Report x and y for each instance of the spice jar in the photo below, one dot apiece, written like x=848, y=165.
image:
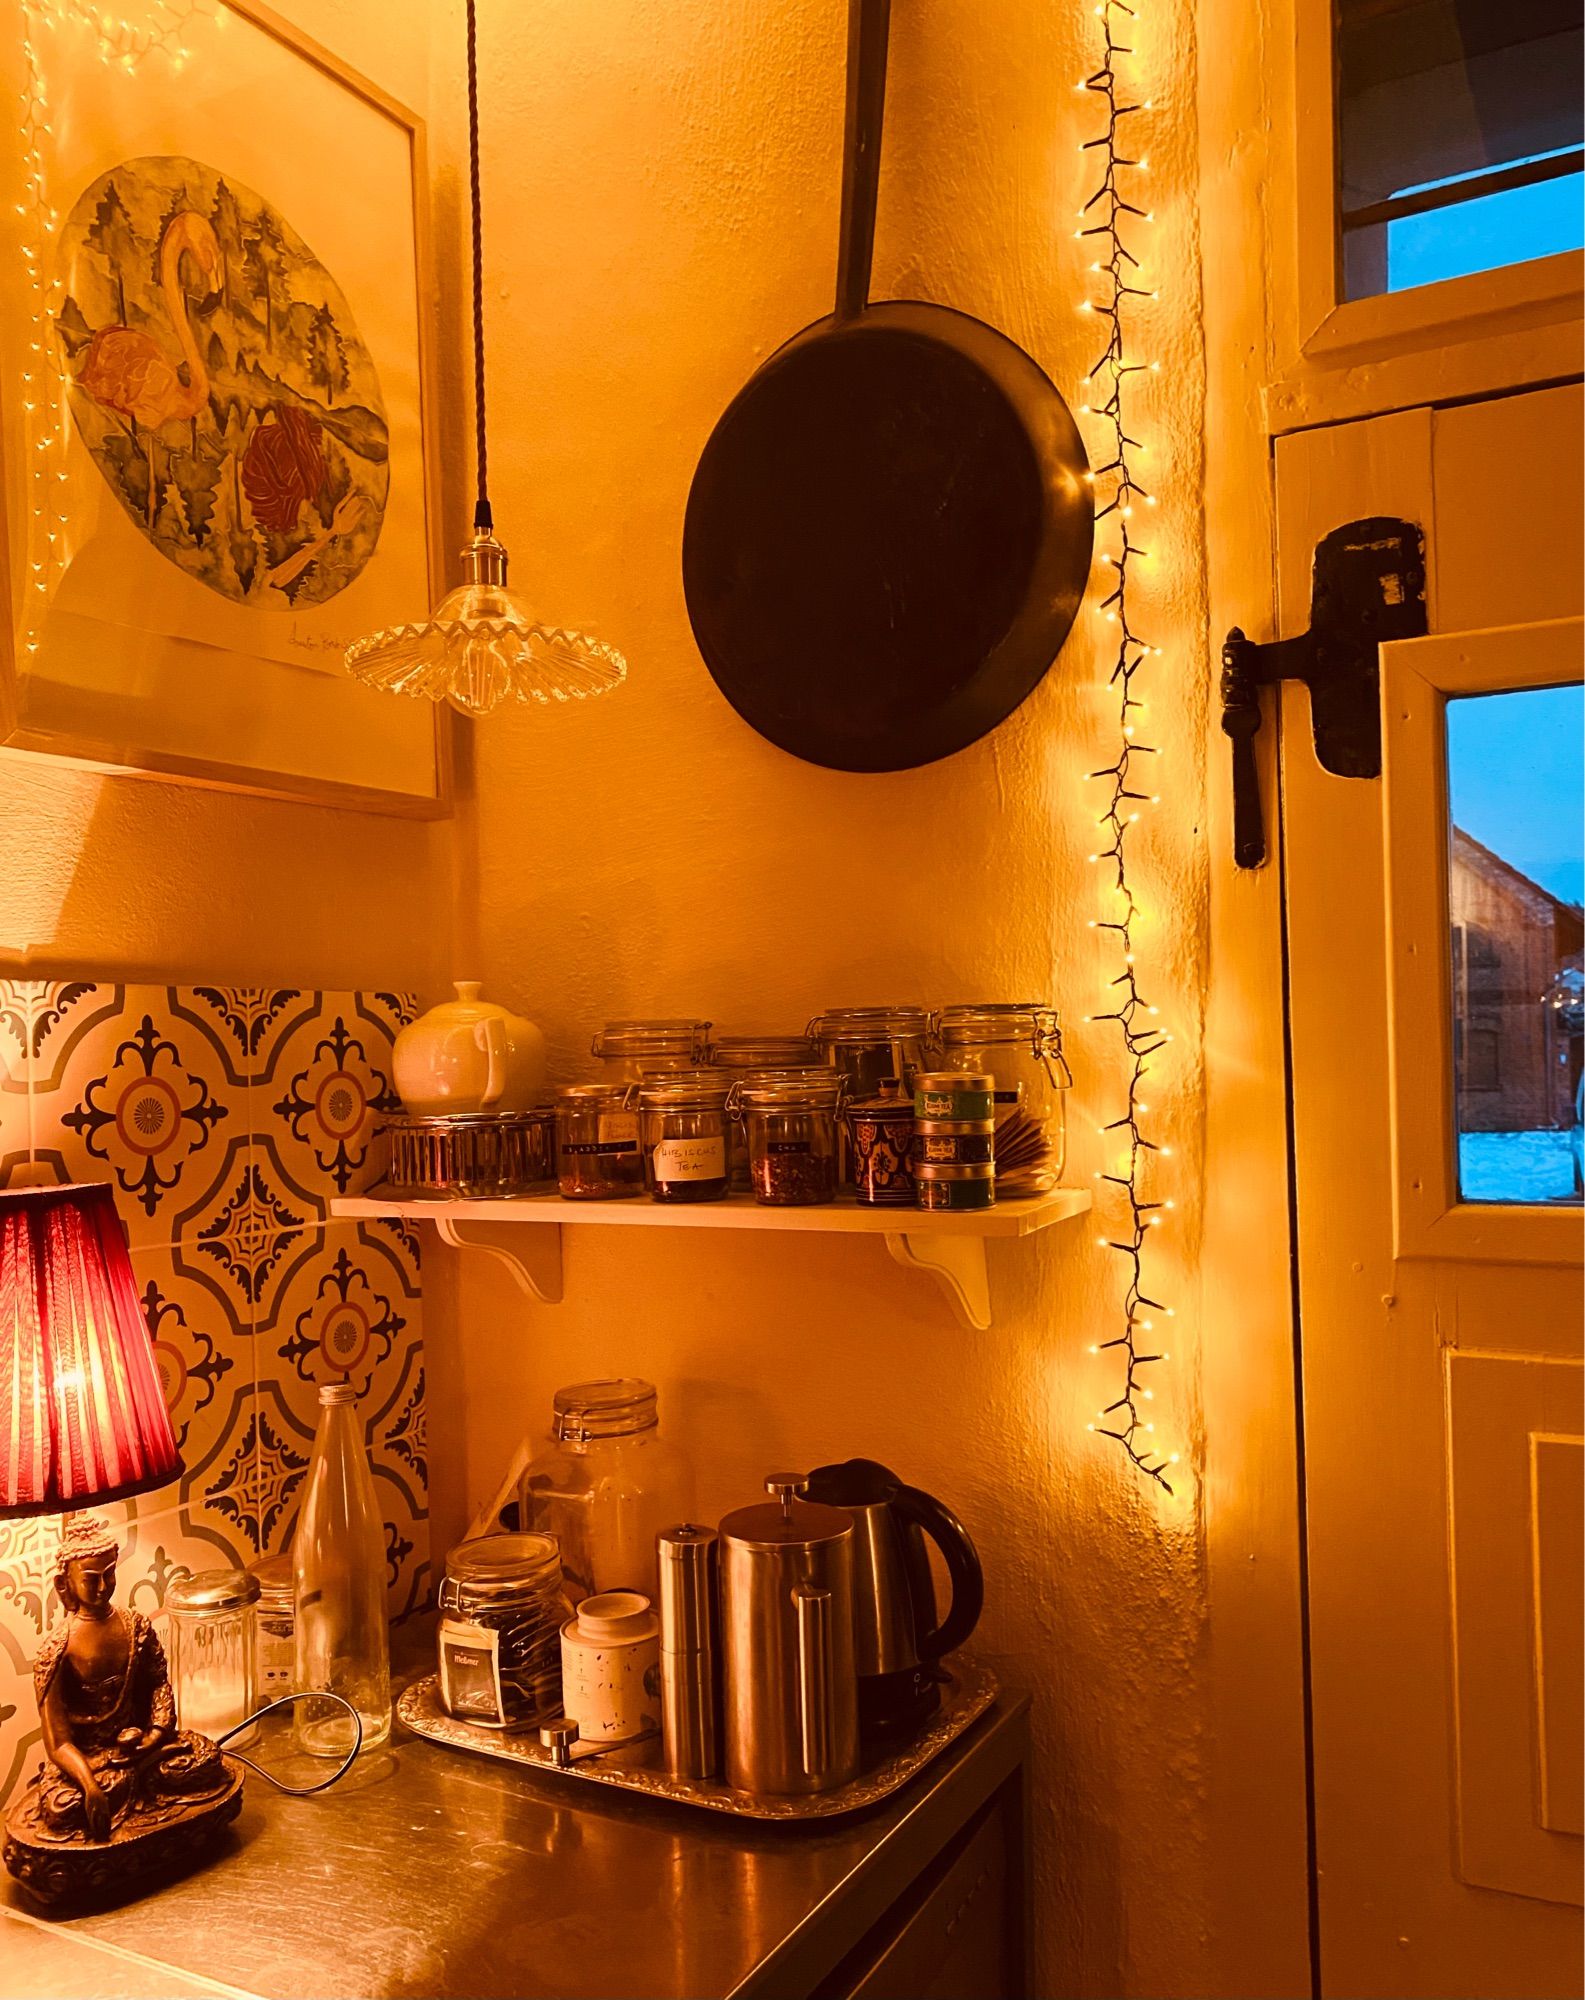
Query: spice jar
x=502, y=1606
x=630, y=1048
x=790, y=1124
x=212, y=1650
x=274, y=1627
x=736, y=1138
x=1019, y=1043
x=606, y=1486
x=683, y=1125
x=597, y=1151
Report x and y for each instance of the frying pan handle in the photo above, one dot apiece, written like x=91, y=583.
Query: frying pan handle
x=869, y=22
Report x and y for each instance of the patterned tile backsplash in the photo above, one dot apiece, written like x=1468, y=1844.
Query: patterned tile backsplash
x=227, y=1119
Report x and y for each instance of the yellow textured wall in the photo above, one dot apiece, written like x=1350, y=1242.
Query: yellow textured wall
x=119, y=876
x=662, y=184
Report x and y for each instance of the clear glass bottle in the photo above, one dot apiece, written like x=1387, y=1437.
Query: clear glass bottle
x=606, y=1488
x=338, y=1574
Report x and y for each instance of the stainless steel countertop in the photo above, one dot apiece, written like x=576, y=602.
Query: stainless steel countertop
x=432, y=1872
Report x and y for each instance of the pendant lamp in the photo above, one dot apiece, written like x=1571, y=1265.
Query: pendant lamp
x=482, y=646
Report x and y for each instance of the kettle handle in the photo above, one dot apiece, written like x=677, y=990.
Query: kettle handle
x=813, y=1610
x=963, y=1569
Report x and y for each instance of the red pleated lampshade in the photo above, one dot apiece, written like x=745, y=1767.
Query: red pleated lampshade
x=82, y=1417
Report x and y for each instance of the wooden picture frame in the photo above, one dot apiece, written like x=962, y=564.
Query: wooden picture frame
x=217, y=388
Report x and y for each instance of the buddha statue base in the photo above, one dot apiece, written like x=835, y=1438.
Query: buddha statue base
x=152, y=1843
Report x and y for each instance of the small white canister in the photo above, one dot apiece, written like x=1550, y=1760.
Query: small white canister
x=610, y=1667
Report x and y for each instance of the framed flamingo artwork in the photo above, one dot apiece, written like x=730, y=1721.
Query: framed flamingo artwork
x=217, y=464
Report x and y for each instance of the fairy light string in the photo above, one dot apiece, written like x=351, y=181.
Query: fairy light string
x=120, y=43
x=1108, y=219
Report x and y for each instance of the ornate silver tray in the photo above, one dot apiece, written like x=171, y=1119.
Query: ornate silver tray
x=966, y=1694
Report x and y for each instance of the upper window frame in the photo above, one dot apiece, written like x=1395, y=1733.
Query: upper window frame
x=1340, y=359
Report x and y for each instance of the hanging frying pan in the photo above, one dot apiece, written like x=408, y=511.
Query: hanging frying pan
x=889, y=531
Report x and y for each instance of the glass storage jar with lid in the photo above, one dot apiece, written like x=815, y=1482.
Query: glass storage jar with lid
x=731, y=1070
x=274, y=1626
x=1019, y=1043
x=502, y=1605
x=877, y=1049
x=597, y=1149
x=629, y=1049
x=683, y=1123
x=606, y=1487
x=790, y=1128
x=213, y=1674
x=739, y=1052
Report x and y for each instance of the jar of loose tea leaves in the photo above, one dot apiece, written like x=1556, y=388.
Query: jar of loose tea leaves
x=683, y=1123
x=597, y=1148
x=1018, y=1045
x=631, y=1049
x=790, y=1124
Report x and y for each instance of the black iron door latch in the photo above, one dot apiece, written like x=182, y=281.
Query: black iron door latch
x=1368, y=586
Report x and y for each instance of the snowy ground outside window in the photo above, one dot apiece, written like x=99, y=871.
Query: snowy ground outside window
x=1517, y=1166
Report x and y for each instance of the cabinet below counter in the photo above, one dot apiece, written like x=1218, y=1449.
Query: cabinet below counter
x=430, y=1872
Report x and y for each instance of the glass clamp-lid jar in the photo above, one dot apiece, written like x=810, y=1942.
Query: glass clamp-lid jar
x=790, y=1127
x=502, y=1607
x=683, y=1123
x=213, y=1674
x=597, y=1143
x=747, y=1052
x=1019, y=1043
x=629, y=1049
x=606, y=1486
x=876, y=1050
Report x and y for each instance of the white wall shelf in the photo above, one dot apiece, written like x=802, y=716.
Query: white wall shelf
x=525, y=1231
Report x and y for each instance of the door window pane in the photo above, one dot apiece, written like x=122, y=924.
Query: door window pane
x=1462, y=137
x=1516, y=794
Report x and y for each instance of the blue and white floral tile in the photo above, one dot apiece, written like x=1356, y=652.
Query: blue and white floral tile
x=131, y=1086
x=321, y=1089
x=203, y=1348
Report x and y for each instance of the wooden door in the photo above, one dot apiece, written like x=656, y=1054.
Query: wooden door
x=1440, y=1335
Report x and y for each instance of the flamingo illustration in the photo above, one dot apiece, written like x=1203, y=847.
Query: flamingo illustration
x=129, y=373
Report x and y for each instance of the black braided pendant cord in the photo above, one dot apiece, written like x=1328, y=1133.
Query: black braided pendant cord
x=482, y=519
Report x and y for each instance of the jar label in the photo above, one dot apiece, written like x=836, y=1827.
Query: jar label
x=1007, y=1096
x=618, y=1130
x=690, y=1159
x=470, y=1671
x=787, y=1146
x=604, y=1147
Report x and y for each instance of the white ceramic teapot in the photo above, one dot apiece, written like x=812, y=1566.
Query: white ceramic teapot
x=468, y=1054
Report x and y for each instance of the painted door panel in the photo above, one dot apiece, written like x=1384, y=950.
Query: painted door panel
x=1441, y=1398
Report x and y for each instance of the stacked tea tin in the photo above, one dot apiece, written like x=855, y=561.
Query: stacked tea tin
x=954, y=1142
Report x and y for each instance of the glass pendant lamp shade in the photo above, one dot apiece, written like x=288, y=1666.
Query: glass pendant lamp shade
x=82, y=1414
x=481, y=647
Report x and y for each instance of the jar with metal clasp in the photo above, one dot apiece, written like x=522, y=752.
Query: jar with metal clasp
x=631, y=1049
x=683, y=1122
x=876, y=1050
x=790, y=1127
x=597, y=1149
x=1019, y=1044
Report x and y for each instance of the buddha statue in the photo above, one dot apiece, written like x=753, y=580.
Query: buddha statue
x=115, y=1755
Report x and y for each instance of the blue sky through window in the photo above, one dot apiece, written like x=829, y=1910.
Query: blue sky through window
x=1516, y=780
x=1487, y=232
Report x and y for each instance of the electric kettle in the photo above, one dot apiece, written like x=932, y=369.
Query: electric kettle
x=897, y=1635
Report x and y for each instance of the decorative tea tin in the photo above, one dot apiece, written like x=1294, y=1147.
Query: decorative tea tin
x=954, y=1187
x=957, y=1144
x=960, y=1096
x=879, y=1133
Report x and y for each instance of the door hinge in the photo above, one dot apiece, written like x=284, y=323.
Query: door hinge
x=1368, y=586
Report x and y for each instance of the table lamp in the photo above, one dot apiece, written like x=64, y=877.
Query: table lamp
x=122, y=1792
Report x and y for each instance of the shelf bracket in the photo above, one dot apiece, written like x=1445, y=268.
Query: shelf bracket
x=534, y=1259
x=957, y=1263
